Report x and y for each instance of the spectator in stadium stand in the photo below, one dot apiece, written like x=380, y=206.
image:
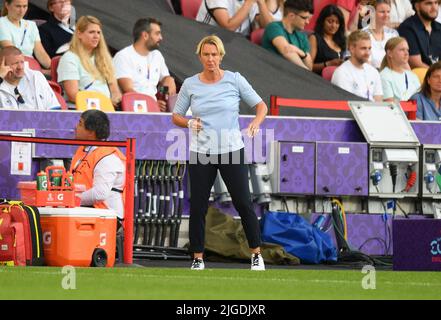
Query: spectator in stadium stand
x=23, y=88
x=141, y=67
x=429, y=98
x=100, y=169
x=400, y=10
x=216, y=143
x=379, y=31
x=398, y=82
x=88, y=64
x=328, y=42
x=423, y=34
x=59, y=28
x=347, y=7
x=235, y=15
x=356, y=75
x=286, y=38
x=21, y=33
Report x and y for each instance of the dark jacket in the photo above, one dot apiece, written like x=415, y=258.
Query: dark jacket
x=53, y=36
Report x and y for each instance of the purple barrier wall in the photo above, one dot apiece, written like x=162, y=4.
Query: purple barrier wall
x=151, y=130
x=370, y=233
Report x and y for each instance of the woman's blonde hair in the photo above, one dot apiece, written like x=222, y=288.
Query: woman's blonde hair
x=391, y=44
x=214, y=40
x=103, y=67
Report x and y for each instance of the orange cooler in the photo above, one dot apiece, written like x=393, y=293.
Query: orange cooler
x=80, y=236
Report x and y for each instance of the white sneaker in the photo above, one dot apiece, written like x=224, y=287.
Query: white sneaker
x=198, y=264
x=257, y=263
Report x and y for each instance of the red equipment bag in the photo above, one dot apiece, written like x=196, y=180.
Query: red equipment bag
x=29, y=217
x=12, y=248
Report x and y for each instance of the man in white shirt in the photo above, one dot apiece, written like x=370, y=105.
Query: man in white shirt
x=141, y=67
x=356, y=75
x=23, y=88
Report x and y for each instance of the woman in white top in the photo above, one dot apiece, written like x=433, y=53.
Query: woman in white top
x=275, y=7
x=23, y=34
x=235, y=15
x=400, y=10
x=398, y=82
x=88, y=64
x=379, y=32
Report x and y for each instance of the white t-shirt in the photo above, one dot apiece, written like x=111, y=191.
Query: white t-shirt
x=23, y=37
x=35, y=91
x=399, y=86
x=400, y=10
x=378, y=52
x=364, y=82
x=145, y=71
x=439, y=15
x=109, y=173
x=232, y=7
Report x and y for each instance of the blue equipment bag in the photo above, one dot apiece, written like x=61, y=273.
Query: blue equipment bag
x=298, y=237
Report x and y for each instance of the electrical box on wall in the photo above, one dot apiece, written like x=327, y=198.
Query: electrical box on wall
x=291, y=167
x=393, y=149
x=431, y=179
x=341, y=169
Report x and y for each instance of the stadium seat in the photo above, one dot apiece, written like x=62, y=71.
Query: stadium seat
x=256, y=36
x=190, y=8
x=86, y=100
x=55, y=86
x=421, y=73
x=327, y=72
x=33, y=64
x=39, y=22
x=54, y=65
x=138, y=102
x=61, y=100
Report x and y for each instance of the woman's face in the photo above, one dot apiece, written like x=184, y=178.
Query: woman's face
x=210, y=57
x=434, y=81
x=331, y=25
x=17, y=9
x=91, y=37
x=400, y=54
x=382, y=14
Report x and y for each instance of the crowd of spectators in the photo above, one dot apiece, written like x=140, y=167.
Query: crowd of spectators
x=372, y=48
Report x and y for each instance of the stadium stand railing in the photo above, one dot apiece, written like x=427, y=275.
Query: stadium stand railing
x=409, y=107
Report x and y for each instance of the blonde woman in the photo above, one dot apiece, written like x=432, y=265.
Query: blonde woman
x=23, y=34
x=88, y=64
x=398, y=82
x=214, y=95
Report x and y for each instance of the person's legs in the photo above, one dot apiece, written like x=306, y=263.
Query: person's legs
x=235, y=176
x=202, y=177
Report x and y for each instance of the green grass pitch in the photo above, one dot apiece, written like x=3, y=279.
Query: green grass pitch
x=210, y=284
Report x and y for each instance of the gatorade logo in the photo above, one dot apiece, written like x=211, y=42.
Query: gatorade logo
x=47, y=238
x=103, y=239
x=60, y=197
x=44, y=184
x=50, y=197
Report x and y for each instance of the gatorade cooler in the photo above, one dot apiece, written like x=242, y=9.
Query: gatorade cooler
x=80, y=236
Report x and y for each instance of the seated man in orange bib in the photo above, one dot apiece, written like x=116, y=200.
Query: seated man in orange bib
x=100, y=169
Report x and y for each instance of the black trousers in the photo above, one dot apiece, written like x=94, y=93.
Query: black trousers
x=234, y=172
